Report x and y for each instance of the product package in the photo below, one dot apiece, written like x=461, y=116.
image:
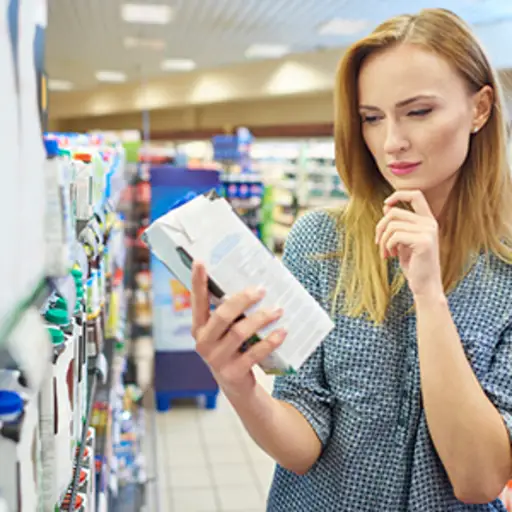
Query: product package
x=207, y=229
x=63, y=366
x=20, y=471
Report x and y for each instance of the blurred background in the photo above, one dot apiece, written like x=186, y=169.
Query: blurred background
x=112, y=112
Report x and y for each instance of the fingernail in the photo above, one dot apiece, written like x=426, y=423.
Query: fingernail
x=278, y=312
x=281, y=333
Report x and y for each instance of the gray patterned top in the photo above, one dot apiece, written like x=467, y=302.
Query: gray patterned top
x=361, y=392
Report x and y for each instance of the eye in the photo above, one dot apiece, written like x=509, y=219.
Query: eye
x=370, y=119
x=420, y=112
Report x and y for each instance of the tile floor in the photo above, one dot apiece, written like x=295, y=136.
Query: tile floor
x=208, y=463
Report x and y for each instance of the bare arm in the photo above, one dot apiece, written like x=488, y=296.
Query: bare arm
x=278, y=428
x=467, y=430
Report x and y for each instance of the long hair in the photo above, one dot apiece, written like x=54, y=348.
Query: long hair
x=477, y=214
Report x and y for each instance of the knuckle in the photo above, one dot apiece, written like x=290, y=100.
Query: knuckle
x=238, y=332
x=247, y=296
x=265, y=315
x=221, y=315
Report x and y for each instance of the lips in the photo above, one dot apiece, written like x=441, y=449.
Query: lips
x=403, y=168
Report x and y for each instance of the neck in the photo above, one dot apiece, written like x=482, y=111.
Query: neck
x=438, y=197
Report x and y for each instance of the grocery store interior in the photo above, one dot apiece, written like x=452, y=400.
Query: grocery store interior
x=113, y=114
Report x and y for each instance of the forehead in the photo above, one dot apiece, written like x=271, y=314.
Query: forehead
x=404, y=71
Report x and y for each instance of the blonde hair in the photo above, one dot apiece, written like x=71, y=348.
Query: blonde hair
x=477, y=215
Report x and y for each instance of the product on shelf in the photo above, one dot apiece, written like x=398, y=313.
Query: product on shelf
x=57, y=334
x=86, y=487
x=237, y=260
x=81, y=323
x=63, y=408
x=20, y=471
x=58, y=218
x=90, y=441
x=80, y=503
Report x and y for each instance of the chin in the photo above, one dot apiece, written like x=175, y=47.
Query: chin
x=407, y=183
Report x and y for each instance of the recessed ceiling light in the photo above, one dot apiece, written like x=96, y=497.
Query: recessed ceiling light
x=266, y=51
x=59, y=85
x=178, y=65
x=147, y=13
x=110, y=76
x=147, y=44
x=342, y=27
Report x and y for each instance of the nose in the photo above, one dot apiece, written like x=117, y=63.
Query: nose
x=396, y=141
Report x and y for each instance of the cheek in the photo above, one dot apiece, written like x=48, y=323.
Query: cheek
x=374, y=138
x=445, y=143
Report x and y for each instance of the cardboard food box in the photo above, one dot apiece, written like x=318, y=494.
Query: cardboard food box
x=208, y=229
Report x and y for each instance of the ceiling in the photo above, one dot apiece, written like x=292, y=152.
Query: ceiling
x=86, y=36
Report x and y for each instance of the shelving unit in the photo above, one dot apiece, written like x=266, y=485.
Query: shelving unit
x=303, y=177
x=85, y=288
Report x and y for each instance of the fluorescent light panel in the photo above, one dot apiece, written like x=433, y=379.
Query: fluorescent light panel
x=146, y=44
x=266, y=51
x=178, y=65
x=153, y=14
x=110, y=76
x=59, y=85
x=342, y=27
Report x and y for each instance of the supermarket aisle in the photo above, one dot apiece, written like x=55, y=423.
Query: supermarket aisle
x=208, y=463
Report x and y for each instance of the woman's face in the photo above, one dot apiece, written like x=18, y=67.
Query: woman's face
x=417, y=118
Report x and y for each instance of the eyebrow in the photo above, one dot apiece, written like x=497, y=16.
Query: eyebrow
x=402, y=103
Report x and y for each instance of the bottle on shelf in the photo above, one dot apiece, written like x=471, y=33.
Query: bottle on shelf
x=19, y=450
x=63, y=408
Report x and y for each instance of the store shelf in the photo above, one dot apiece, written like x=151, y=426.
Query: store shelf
x=36, y=299
x=91, y=390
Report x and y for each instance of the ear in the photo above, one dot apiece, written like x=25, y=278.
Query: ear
x=483, y=103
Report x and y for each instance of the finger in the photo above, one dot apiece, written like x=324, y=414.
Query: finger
x=260, y=351
x=393, y=227
x=401, y=237
x=394, y=214
x=414, y=197
x=242, y=331
x=229, y=311
x=200, y=299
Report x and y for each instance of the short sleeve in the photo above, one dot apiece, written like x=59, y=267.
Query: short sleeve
x=308, y=390
x=497, y=383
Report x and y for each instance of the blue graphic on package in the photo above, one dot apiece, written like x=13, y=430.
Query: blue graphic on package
x=224, y=247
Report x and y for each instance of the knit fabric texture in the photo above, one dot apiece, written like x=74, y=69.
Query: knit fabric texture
x=361, y=393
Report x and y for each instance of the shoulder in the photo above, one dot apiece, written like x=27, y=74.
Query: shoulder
x=314, y=233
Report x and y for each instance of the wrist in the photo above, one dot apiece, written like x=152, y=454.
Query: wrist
x=430, y=298
x=240, y=394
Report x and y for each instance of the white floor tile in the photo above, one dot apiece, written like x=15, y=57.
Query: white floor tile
x=194, y=500
x=232, y=474
x=228, y=437
x=256, y=454
x=166, y=504
x=190, y=477
x=240, y=498
x=265, y=474
x=224, y=455
x=182, y=441
x=185, y=458
x=215, y=420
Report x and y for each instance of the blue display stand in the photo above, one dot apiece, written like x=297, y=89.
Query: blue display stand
x=179, y=370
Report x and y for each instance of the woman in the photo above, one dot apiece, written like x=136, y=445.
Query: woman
x=407, y=405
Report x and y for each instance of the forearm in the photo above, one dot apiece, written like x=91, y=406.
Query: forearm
x=279, y=429
x=467, y=430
